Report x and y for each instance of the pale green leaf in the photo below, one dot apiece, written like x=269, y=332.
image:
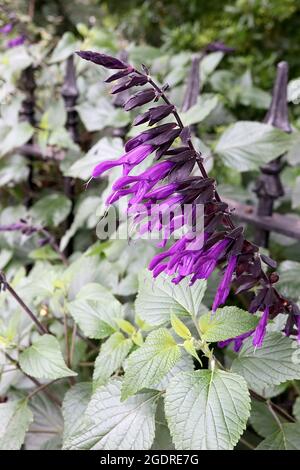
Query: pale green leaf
x=74, y=406
x=179, y=327
x=207, y=410
x=116, y=425
x=43, y=359
x=151, y=362
x=67, y=45
x=248, y=145
x=158, y=298
x=17, y=136
x=273, y=363
x=15, y=418
x=111, y=357
x=47, y=423
x=96, y=311
x=197, y=113
x=225, y=323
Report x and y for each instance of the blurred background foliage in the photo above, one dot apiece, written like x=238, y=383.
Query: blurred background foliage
x=262, y=31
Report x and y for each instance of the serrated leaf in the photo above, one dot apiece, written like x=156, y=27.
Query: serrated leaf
x=207, y=410
x=287, y=438
x=225, y=323
x=184, y=364
x=96, y=311
x=112, y=354
x=15, y=418
x=116, y=425
x=151, y=362
x=275, y=362
x=179, y=327
x=47, y=423
x=158, y=298
x=74, y=406
x=43, y=359
x=248, y=145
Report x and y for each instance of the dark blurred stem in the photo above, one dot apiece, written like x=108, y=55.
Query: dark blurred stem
x=41, y=328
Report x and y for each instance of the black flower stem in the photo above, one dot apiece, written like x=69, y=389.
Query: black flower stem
x=41, y=328
x=189, y=141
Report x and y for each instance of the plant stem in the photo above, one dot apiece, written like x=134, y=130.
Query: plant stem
x=41, y=328
x=189, y=142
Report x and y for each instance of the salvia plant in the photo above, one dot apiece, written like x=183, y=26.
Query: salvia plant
x=98, y=353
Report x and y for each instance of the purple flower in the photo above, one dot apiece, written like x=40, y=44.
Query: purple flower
x=237, y=341
x=6, y=29
x=104, y=60
x=128, y=160
x=224, y=286
x=260, y=330
x=17, y=41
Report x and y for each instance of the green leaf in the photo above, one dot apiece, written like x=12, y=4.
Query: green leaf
x=180, y=328
x=15, y=418
x=96, y=311
x=47, y=423
x=111, y=357
x=17, y=136
x=51, y=209
x=43, y=359
x=248, y=145
x=126, y=326
x=158, y=298
x=287, y=438
x=151, y=362
x=74, y=407
x=207, y=410
x=296, y=409
x=184, y=364
x=262, y=419
x=190, y=348
x=116, y=425
x=13, y=170
x=197, y=113
x=225, y=323
x=67, y=45
x=275, y=362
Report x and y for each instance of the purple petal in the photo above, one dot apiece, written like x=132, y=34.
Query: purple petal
x=102, y=59
x=260, y=330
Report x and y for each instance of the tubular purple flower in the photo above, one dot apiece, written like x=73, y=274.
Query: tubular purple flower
x=103, y=59
x=6, y=29
x=260, y=330
x=128, y=160
x=224, y=286
x=17, y=41
x=238, y=341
